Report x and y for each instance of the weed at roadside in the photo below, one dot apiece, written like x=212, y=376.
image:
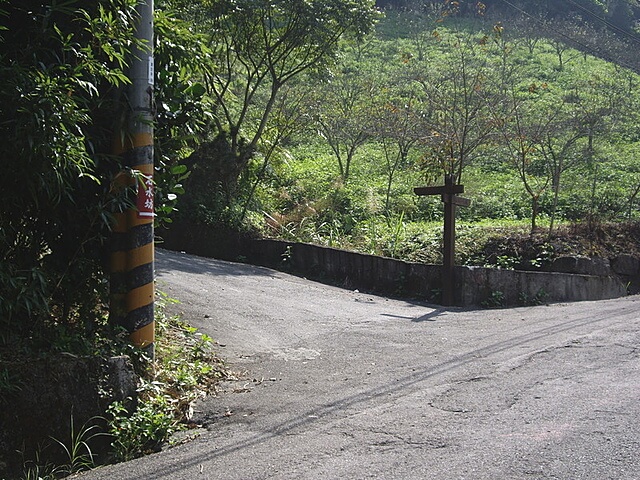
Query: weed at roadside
x=77, y=451
x=537, y=299
x=143, y=431
x=495, y=300
x=185, y=369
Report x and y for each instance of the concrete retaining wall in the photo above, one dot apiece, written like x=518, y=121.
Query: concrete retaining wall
x=475, y=286
x=495, y=287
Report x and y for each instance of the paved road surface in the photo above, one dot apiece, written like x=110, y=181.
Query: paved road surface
x=339, y=384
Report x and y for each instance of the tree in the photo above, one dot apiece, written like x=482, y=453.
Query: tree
x=601, y=103
x=260, y=46
x=559, y=147
x=398, y=127
x=343, y=110
x=182, y=119
x=425, y=17
x=457, y=95
x=563, y=44
x=289, y=116
x=524, y=120
x=528, y=31
x=60, y=65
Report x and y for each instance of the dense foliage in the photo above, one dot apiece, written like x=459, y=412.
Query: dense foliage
x=259, y=49
x=618, y=14
x=295, y=113
x=60, y=67
x=538, y=131
x=64, y=69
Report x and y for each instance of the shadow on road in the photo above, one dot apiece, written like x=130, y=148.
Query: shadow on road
x=207, y=266
x=429, y=317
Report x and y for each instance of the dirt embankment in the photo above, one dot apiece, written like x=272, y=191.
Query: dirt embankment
x=531, y=251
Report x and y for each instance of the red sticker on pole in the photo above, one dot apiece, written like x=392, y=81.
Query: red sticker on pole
x=144, y=201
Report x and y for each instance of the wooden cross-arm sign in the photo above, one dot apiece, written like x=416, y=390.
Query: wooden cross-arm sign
x=439, y=190
x=446, y=192
x=459, y=201
x=448, y=195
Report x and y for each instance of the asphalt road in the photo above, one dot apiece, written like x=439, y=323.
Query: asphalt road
x=337, y=384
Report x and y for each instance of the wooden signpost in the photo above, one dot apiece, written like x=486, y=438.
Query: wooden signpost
x=448, y=193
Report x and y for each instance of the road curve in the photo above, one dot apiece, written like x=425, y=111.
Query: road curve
x=337, y=384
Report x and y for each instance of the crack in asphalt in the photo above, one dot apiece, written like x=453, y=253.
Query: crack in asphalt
x=396, y=439
x=446, y=400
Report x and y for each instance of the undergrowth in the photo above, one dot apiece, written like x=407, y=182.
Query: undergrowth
x=185, y=369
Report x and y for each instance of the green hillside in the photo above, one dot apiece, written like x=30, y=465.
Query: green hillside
x=540, y=133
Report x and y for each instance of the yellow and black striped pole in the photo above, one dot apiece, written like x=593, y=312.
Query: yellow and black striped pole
x=132, y=249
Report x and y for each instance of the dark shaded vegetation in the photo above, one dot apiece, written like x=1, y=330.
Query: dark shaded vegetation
x=620, y=15
x=64, y=67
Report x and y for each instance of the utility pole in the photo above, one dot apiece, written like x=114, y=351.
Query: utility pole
x=132, y=250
